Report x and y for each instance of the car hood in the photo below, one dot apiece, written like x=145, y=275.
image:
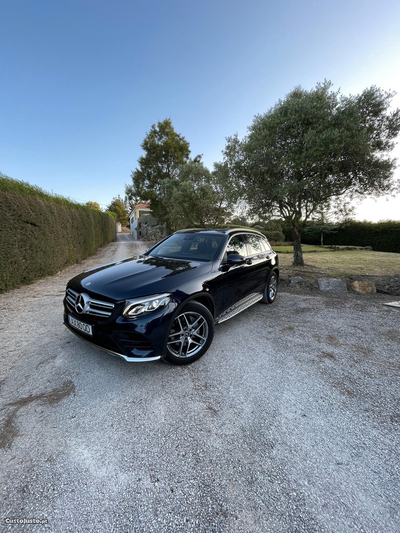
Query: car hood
x=138, y=276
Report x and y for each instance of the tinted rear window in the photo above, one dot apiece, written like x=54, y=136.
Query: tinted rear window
x=257, y=245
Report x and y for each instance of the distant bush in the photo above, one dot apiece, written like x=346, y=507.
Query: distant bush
x=381, y=236
x=41, y=234
x=272, y=229
x=274, y=236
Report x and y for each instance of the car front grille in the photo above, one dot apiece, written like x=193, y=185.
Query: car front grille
x=92, y=307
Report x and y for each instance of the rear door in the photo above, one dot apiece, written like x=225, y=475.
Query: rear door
x=259, y=261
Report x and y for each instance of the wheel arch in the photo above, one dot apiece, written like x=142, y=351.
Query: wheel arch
x=276, y=270
x=203, y=298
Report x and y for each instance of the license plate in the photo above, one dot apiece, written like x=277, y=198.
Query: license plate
x=77, y=324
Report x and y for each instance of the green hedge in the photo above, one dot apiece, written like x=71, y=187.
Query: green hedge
x=381, y=236
x=273, y=236
x=41, y=234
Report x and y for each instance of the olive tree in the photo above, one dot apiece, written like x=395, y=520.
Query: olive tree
x=313, y=149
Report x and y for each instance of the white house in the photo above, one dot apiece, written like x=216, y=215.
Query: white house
x=137, y=211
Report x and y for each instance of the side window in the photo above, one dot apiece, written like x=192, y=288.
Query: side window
x=256, y=245
x=267, y=245
x=236, y=245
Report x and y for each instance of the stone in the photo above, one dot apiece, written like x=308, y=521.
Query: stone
x=388, y=284
x=364, y=287
x=385, y=284
x=332, y=285
x=296, y=280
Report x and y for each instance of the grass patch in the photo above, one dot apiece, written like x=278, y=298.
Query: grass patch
x=342, y=264
x=306, y=249
x=288, y=249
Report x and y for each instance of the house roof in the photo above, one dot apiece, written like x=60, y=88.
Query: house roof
x=145, y=205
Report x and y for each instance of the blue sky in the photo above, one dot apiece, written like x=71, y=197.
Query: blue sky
x=82, y=81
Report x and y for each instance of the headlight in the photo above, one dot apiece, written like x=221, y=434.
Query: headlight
x=141, y=306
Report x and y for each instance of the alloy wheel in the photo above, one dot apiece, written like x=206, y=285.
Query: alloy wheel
x=272, y=287
x=188, y=334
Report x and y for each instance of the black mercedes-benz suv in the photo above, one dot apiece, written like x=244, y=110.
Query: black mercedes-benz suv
x=165, y=303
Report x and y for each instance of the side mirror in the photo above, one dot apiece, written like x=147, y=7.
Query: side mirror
x=235, y=259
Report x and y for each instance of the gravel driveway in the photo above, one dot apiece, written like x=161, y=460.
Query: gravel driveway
x=288, y=424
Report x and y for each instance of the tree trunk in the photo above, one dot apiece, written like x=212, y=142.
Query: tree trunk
x=297, y=251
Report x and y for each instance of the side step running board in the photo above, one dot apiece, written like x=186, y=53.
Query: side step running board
x=239, y=307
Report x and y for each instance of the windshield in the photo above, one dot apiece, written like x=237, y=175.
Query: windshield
x=189, y=246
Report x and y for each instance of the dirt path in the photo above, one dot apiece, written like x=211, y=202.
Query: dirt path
x=288, y=423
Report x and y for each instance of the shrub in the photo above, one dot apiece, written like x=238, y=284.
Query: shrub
x=41, y=234
x=274, y=236
x=381, y=236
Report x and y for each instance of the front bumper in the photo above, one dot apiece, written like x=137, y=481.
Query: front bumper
x=111, y=352
x=138, y=340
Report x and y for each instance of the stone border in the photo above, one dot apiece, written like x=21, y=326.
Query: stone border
x=362, y=285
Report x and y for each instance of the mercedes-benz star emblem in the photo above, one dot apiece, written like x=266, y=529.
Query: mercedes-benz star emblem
x=81, y=303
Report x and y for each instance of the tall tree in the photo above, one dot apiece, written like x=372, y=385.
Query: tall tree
x=118, y=207
x=312, y=149
x=165, y=150
x=93, y=205
x=193, y=197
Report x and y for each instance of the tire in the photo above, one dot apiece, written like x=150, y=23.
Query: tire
x=271, y=289
x=190, y=334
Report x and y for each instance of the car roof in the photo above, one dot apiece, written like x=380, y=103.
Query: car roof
x=224, y=231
